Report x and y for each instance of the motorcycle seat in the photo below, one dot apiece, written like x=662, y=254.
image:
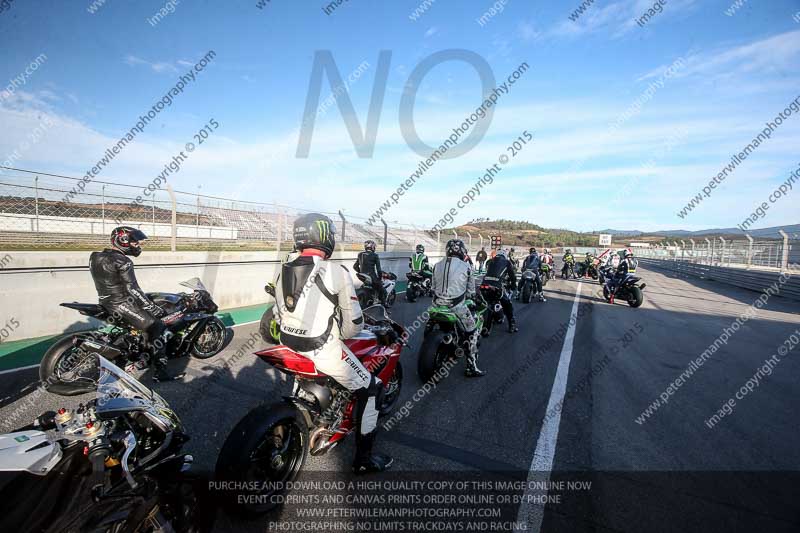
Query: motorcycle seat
x=92, y=310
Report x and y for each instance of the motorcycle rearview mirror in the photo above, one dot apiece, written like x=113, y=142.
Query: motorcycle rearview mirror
x=269, y=288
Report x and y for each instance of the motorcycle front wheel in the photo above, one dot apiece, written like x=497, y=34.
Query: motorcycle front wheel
x=526, y=293
x=211, y=340
x=268, y=448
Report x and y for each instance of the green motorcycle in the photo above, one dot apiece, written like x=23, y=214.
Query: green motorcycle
x=445, y=340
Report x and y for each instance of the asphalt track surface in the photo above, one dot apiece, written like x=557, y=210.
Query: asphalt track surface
x=671, y=472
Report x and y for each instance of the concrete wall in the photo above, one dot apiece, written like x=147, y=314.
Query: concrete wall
x=32, y=284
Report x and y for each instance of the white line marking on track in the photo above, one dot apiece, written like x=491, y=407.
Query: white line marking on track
x=9, y=371
x=531, y=509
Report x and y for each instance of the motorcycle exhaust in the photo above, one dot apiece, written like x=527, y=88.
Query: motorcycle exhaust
x=318, y=441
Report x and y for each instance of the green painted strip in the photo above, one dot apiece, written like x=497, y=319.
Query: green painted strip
x=27, y=352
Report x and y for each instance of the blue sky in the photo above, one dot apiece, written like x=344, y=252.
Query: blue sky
x=103, y=70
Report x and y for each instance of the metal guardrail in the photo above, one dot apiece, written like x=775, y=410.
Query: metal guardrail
x=755, y=280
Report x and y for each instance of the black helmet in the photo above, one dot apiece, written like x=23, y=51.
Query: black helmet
x=420, y=249
x=126, y=239
x=314, y=231
x=629, y=253
x=532, y=250
x=569, y=251
x=456, y=248
x=369, y=246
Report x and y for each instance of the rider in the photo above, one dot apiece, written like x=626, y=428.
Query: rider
x=587, y=263
x=453, y=284
x=480, y=257
x=499, y=273
x=547, y=257
x=568, y=258
x=533, y=262
x=316, y=309
x=419, y=263
x=121, y=296
x=626, y=266
x=369, y=264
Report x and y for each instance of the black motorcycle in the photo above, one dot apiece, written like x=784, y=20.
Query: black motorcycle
x=604, y=273
x=627, y=289
x=418, y=285
x=494, y=310
x=113, y=464
x=190, y=318
x=368, y=295
x=528, y=286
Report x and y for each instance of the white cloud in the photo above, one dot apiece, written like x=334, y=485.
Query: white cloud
x=159, y=67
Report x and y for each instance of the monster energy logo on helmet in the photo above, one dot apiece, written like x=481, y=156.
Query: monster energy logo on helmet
x=314, y=230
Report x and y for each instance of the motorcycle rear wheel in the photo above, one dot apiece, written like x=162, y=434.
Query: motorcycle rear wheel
x=270, y=444
x=66, y=371
x=432, y=354
x=636, y=297
x=411, y=293
x=526, y=293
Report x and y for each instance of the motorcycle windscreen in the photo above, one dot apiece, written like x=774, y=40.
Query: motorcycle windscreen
x=195, y=284
x=119, y=393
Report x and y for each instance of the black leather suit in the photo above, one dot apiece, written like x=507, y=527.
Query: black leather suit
x=121, y=296
x=500, y=273
x=369, y=264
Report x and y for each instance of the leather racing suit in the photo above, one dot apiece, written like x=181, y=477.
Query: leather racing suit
x=120, y=295
x=316, y=309
x=369, y=264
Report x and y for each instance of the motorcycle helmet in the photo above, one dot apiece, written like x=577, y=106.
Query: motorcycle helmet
x=547, y=250
x=502, y=253
x=126, y=239
x=314, y=231
x=420, y=249
x=369, y=246
x=532, y=250
x=569, y=251
x=628, y=254
x=456, y=248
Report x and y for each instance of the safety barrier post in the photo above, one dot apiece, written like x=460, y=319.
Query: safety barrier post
x=385, y=233
x=481, y=237
x=470, y=239
x=279, y=237
x=174, y=232
x=693, y=256
x=709, y=251
x=344, y=226
x=749, y=251
x=785, y=258
x=722, y=252
x=683, y=248
x=36, y=200
x=103, y=208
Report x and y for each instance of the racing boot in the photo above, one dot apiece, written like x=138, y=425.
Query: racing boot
x=367, y=462
x=160, y=373
x=472, y=370
x=512, y=326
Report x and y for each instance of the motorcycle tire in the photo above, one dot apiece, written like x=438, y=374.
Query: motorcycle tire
x=392, y=393
x=606, y=294
x=205, y=348
x=267, y=327
x=262, y=427
x=56, y=362
x=636, y=297
x=432, y=355
x=391, y=298
x=411, y=293
x=527, y=291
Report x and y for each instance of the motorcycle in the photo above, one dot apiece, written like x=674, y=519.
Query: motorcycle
x=113, y=464
x=627, y=289
x=494, y=310
x=418, y=285
x=189, y=317
x=444, y=338
x=568, y=270
x=546, y=271
x=528, y=287
x=269, y=446
x=604, y=273
x=368, y=296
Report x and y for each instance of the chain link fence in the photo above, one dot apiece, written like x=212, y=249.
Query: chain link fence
x=748, y=253
x=35, y=214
